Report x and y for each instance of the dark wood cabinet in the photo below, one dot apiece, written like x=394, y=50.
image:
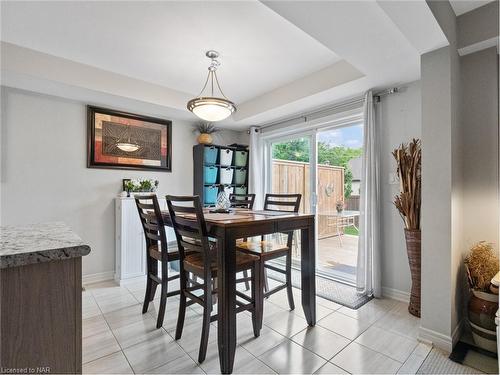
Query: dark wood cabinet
x=219, y=168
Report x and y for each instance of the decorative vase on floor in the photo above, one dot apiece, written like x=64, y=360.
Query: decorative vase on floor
x=413, y=248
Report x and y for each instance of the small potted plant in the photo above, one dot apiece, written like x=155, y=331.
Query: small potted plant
x=141, y=185
x=481, y=265
x=205, y=131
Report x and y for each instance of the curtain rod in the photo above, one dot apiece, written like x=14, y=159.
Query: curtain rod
x=350, y=102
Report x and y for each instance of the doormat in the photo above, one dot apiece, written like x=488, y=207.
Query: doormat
x=472, y=356
x=342, y=294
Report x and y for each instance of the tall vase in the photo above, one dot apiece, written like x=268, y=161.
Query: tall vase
x=414, y=250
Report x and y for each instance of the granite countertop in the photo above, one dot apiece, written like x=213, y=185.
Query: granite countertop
x=37, y=243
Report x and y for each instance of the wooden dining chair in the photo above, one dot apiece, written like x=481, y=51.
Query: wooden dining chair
x=269, y=250
x=190, y=228
x=157, y=251
x=242, y=200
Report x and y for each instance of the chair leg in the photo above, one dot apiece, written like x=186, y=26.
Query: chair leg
x=257, y=298
x=164, y=291
x=288, y=275
x=154, y=285
x=182, y=305
x=264, y=280
x=207, y=310
x=147, y=295
x=245, y=275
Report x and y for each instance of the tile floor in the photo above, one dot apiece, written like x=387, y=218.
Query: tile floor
x=379, y=337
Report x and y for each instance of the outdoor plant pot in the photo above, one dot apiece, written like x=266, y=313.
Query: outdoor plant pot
x=413, y=248
x=482, y=309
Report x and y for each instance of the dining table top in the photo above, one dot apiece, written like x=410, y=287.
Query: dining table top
x=243, y=216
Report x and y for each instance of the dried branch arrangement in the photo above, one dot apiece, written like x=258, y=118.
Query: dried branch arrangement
x=408, y=202
x=482, y=266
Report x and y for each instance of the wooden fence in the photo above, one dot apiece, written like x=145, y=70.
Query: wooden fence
x=294, y=177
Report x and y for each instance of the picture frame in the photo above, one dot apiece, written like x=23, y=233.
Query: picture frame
x=123, y=140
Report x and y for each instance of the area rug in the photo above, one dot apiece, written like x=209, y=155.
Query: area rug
x=340, y=293
x=472, y=356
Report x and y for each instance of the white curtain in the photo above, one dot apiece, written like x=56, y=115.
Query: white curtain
x=256, y=172
x=368, y=268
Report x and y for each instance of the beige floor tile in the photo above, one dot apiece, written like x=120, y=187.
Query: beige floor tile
x=417, y=357
x=137, y=332
x=244, y=362
x=330, y=368
x=115, y=363
x=93, y=326
x=181, y=365
x=116, y=302
x=126, y=316
x=153, y=353
x=97, y=346
x=191, y=335
x=286, y=323
x=344, y=325
x=358, y=359
x=291, y=358
x=90, y=308
x=391, y=344
x=321, y=341
x=267, y=340
x=402, y=324
x=321, y=311
x=328, y=304
x=369, y=312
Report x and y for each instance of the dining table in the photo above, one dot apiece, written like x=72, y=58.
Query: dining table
x=239, y=223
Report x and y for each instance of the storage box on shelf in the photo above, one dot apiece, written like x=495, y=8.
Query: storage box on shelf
x=219, y=168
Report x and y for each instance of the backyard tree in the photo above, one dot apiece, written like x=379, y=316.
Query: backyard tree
x=298, y=150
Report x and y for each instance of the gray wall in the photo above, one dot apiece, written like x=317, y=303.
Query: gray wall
x=480, y=146
x=44, y=175
x=400, y=120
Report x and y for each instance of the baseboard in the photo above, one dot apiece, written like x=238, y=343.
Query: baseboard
x=130, y=280
x=457, y=332
x=396, y=294
x=437, y=339
x=97, y=277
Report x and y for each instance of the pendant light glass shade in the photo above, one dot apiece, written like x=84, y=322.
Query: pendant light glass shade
x=211, y=108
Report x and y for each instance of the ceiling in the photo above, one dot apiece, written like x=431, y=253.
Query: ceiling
x=463, y=6
x=278, y=57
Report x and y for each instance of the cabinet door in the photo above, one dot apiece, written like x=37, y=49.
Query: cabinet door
x=134, y=252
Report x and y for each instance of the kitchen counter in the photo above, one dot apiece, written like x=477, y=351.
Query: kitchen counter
x=41, y=299
x=37, y=243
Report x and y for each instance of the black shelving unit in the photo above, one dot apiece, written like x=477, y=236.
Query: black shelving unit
x=208, y=159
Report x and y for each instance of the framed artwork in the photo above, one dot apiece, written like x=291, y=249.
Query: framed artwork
x=124, y=140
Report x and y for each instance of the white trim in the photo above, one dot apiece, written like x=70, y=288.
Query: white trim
x=439, y=340
x=97, y=277
x=130, y=280
x=476, y=47
x=395, y=294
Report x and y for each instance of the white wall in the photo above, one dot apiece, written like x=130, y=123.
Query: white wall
x=44, y=175
x=400, y=120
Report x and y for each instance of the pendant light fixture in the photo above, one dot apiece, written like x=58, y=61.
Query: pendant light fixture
x=128, y=145
x=211, y=107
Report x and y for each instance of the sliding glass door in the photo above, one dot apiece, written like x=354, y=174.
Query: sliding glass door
x=324, y=165
x=290, y=170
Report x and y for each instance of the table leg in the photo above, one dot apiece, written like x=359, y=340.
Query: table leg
x=308, y=272
x=226, y=325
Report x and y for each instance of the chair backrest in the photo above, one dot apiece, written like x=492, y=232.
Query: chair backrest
x=242, y=200
x=186, y=214
x=282, y=202
x=151, y=220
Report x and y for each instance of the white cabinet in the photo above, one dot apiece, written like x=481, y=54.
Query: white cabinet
x=130, y=258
